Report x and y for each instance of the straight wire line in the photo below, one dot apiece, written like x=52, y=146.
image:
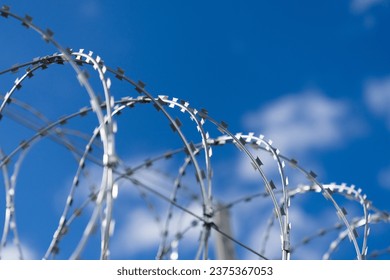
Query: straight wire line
x=105, y=110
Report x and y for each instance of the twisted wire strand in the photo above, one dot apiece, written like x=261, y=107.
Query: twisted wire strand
x=95, y=130
x=114, y=169
x=10, y=211
x=184, y=108
x=107, y=128
x=311, y=176
x=307, y=189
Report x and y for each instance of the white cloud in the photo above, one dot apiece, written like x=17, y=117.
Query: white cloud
x=272, y=249
x=12, y=253
x=361, y=6
x=302, y=122
x=377, y=96
x=141, y=232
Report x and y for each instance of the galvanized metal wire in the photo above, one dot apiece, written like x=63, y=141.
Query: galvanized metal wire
x=197, y=155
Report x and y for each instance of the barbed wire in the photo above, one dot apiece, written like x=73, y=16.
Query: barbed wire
x=98, y=149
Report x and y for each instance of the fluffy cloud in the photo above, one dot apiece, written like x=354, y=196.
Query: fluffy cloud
x=142, y=233
x=377, y=96
x=12, y=253
x=299, y=123
x=360, y=6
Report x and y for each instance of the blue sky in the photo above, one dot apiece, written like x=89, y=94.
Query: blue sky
x=313, y=76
